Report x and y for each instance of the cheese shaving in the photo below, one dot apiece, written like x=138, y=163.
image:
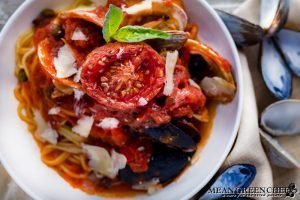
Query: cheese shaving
x=142, y=101
x=84, y=126
x=78, y=94
x=54, y=111
x=109, y=123
x=193, y=83
x=104, y=164
x=64, y=63
x=78, y=35
x=170, y=68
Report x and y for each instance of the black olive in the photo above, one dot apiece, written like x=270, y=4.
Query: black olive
x=198, y=67
x=57, y=31
x=22, y=77
x=48, y=13
x=44, y=17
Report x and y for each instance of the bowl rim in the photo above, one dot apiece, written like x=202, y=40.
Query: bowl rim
x=239, y=79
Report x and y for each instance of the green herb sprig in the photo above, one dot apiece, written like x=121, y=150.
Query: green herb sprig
x=129, y=34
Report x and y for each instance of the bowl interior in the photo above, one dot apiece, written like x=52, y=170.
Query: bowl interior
x=20, y=154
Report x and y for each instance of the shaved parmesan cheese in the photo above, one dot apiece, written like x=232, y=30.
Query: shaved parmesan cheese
x=109, y=123
x=64, y=63
x=170, y=68
x=78, y=35
x=102, y=163
x=142, y=101
x=44, y=132
x=101, y=3
x=193, y=83
x=50, y=135
x=77, y=77
x=54, y=111
x=120, y=53
x=140, y=7
x=78, y=94
x=84, y=126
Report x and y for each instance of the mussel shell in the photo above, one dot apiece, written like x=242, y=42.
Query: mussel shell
x=172, y=136
x=289, y=43
x=165, y=165
x=175, y=42
x=282, y=118
x=276, y=74
x=243, y=32
x=277, y=154
x=189, y=128
x=236, y=176
x=268, y=10
x=274, y=15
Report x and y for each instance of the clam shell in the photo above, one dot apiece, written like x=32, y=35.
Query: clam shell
x=289, y=43
x=243, y=32
x=276, y=74
x=237, y=176
x=277, y=154
x=282, y=118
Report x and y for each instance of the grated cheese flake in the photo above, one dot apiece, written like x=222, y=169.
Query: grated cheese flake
x=142, y=101
x=64, y=63
x=77, y=76
x=78, y=35
x=109, y=123
x=104, y=164
x=78, y=94
x=171, y=61
x=50, y=135
x=54, y=111
x=84, y=126
x=193, y=83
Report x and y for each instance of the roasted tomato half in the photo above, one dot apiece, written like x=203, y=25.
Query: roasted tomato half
x=120, y=75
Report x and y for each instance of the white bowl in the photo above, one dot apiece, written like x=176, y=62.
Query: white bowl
x=21, y=157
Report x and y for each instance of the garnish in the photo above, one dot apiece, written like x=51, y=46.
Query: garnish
x=113, y=20
x=111, y=31
x=138, y=34
x=22, y=77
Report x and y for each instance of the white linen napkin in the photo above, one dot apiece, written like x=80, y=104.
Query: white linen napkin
x=250, y=11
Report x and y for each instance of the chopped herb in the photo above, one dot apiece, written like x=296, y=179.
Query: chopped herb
x=22, y=77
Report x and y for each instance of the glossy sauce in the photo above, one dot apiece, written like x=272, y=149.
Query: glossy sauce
x=123, y=190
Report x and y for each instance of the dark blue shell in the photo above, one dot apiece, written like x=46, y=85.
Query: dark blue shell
x=243, y=32
x=289, y=43
x=165, y=165
x=276, y=74
x=173, y=136
x=237, y=176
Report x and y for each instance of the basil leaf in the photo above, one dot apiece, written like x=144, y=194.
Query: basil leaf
x=138, y=34
x=112, y=22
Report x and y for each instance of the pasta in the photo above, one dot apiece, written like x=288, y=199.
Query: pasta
x=80, y=115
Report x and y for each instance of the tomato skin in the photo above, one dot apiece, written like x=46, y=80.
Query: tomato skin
x=138, y=153
x=90, y=31
x=115, y=137
x=117, y=75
